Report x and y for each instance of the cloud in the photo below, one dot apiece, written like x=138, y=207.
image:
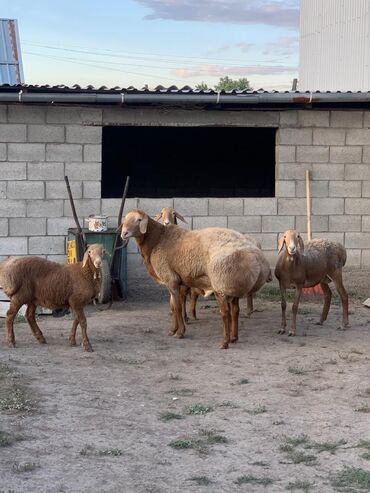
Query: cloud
x=283, y=13
x=243, y=71
x=283, y=46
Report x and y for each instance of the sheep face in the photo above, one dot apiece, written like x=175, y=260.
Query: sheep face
x=95, y=253
x=292, y=241
x=134, y=224
x=169, y=216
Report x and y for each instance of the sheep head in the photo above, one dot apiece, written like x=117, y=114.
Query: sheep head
x=169, y=216
x=134, y=224
x=94, y=253
x=292, y=241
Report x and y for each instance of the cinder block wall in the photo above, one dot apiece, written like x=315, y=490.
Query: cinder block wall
x=40, y=144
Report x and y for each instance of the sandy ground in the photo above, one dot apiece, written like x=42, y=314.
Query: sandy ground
x=105, y=421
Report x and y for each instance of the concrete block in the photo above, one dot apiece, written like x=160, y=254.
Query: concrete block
x=366, y=119
x=45, y=171
x=312, y=154
x=3, y=189
x=353, y=257
x=327, y=206
x=191, y=207
x=285, y=154
x=26, y=114
x=13, y=133
x=13, y=171
x=295, y=136
x=288, y=118
x=319, y=224
x=77, y=134
x=83, y=171
x=271, y=256
x=358, y=137
x=344, y=223
x=13, y=246
x=21, y=226
x=357, y=206
x=365, y=258
x=277, y=224
x=46, y=133
x=110, y=207
x=58, y=189
x=290, y=171
x=92, y=153
x=346, y=119
x=58, y=226
x=329, y=136
x=154, y=206
x=12, y=208
x=225, y=207
x=288, y=207
x=4, y=229
x=60, y=259
x=285, y=188
x=345, y=188
x=365, y=188
x=3, y=152
x=209, y=222
x=84, y=207
x=338, y=237
x=26, y=152
x=91, y=189
x=345, y=154
x=245, y=224
x=68, y=115
x=3, y=112
x=365, y=223
x=319, y=188
x=47, y=245
x=45, y=208
x=357, y=171
x=366, y=154
x=268, y=241
x=357, y=240
x=26, y=190
x=327, y=172
x=260, y=206
x=313, y=118
x=64, y=152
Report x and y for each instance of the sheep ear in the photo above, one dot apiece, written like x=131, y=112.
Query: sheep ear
x=85, y=259
x=158, y=216
x=180, y=217
x=300, y=243
x=281, y=244
x=144, y=225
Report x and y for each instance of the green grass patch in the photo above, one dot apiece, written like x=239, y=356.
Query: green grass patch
x=211, y=437
x=243, y=381
x=199, y=409
x=363, y=408
x=250, y=479
x=296, y=441
x=257, y=410
x=299, y=457
x=169, y=416
x=13, y=397
x=25, y=467
x=200, y=480
x=7, y=439
x=183, y=444
x=110, y=452
x=201, y=443
x=296, y=370
x=351, y=479
x=181, y=392
x=272, y=293
x=299, y=485
x=331, y=447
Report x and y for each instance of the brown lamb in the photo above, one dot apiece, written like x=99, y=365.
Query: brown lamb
x=36, y=281
x=299, y=266
x=212, y=259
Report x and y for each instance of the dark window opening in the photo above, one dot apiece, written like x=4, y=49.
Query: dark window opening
x=188, y=161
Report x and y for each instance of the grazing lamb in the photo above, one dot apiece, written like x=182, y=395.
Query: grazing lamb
x=321, y=261
x=35, y=281
x=212, y=259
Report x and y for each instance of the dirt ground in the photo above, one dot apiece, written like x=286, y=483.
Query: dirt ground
x=146, y=412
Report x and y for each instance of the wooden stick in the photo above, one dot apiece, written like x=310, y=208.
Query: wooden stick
x=308, y=204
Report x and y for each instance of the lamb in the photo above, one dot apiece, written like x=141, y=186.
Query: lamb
x=36, y=281
x=320, y=262
x=212, y=259
x=169, y=216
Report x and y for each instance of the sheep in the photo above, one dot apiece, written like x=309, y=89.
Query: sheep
x=169, y=216
x=320, y=262
x=212, y=259
x=36, y=281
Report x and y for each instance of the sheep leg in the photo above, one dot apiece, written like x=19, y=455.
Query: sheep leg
x=177, y=313
x=174, y=324
x=234, y=319
x=249, y=305
x=9, y=323
x=183, y=293
x=85, y=343
x=283, y=310
x=327, y=300
x=30, y=317
x=193, y=303
x=226, y=318
x=72, y=334
x=297, y=297
x=338, y=281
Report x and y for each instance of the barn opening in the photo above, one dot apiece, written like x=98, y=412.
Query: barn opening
x=168, y=162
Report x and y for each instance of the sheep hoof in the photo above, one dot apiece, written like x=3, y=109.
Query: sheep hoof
x=42, y=340
x=11, y=344
x=281, y=331
x=180, y=335
x=234, y=339
x=342, y=328
x=319, y=323
x=88, y=348
x=291, y=334
x=172, y=332
x=72, y=342
x=224, y=345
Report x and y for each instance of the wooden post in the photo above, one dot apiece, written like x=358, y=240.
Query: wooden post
x=308, y=202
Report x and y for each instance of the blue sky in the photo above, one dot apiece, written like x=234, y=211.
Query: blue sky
x=136, y=42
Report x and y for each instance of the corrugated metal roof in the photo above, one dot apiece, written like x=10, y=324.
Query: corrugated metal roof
x=11, y=70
